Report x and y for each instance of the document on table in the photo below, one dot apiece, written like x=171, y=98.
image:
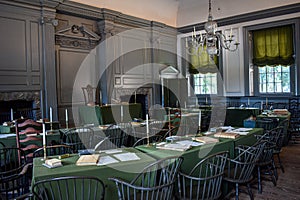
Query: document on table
x=112, y=151
x=126, y=156
x=105, y=160
x=189, y=142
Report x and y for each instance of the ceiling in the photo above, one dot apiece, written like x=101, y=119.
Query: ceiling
x=178, y=13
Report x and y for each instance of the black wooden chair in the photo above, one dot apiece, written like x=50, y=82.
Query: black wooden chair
x=79, y=138
x=205, y=179
x=74, y=187
x=265, y=164
x=278, y=146
x=14, y=178
x=156, y=181
x=240, y=169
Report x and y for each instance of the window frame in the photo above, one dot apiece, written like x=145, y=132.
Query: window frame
x=294, y=82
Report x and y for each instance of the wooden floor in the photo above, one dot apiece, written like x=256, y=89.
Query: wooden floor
x=288, y=184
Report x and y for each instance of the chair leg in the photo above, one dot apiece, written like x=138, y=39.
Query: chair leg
x=275, y=169
x=280, y=164
x=250, y=191
x=236, y=191
x=259, y=180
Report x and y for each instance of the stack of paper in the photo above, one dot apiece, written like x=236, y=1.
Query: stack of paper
x=127, y=156
x=52, y=163
x=206, y=140
x=230, y=135
x=174, y=146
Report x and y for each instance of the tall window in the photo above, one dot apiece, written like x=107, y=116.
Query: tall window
x=273, y=55
x=205, y=72
x=205, y=83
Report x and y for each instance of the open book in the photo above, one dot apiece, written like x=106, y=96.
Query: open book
x=88, y=160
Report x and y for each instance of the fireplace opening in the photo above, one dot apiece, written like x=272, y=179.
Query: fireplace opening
x=16, y=109
x=138, y=98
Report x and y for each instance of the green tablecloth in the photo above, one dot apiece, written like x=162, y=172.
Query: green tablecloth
x=194, y=155
x=236, y=116
x=99, y=115
x=127, y=170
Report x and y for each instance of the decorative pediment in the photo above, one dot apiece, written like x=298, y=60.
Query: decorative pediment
x=77, y=37
x=169, y=72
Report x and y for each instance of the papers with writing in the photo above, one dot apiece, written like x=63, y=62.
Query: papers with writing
x=111, y=151
x=242, y=129
x=88, y=160
x=105, y=160
x=189, y=142
x=126, y=156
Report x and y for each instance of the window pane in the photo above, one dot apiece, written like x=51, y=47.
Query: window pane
x=205, y=83
x=274, y=79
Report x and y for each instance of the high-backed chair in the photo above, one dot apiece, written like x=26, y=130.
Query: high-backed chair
x=205, y=179
x=90, y=94
x=240, y=169
x=155, y=182
x=27, y=131
x=74, y=187
x=14, y=180
x=79, y=138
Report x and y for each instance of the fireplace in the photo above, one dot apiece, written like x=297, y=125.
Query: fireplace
x=140, y=95
x=19, y=104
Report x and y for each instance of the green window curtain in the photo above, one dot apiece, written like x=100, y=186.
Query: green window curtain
x=273, y=46
x=201, y=62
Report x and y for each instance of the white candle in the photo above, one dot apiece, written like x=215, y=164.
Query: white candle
x=134, y=97
x=67, y=115
x=11, y=114
x=121, y=112
x=147, y=124
x=51, y=114
x=196, y=101
x=199, y=122
x=185, y=104
x=206, y=100
x=44, y=134
x=230, y=36
x=248, y=102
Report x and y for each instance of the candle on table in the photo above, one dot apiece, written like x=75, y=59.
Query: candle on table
x=11, y=114
x=248, y=102
x=185, y=104
x=44, y=135
x=206, y=100
x=51, y=114
x=199, y=122
x=135, y=97
x=67, y=118
x=121, y=113
x=147, y=128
